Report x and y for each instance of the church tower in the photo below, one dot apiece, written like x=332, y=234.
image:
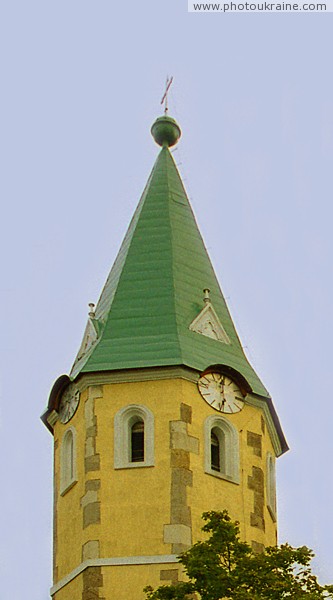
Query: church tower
x=162, y=417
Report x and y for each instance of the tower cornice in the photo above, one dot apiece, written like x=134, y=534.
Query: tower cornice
x=85, y=380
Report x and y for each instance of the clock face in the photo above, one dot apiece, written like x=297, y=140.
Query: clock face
x=221, y=392
x=68, y=404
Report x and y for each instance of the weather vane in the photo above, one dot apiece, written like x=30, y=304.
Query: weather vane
x=165, y=95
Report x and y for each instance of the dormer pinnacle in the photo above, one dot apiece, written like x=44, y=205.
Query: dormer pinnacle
x=91, y=313
x=206, y=296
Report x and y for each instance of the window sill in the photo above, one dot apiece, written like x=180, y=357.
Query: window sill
x=220, y=475
x=134, y=465
x=272, y=513
x=68, y=487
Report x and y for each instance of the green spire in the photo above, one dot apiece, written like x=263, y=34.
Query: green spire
x=153, y=303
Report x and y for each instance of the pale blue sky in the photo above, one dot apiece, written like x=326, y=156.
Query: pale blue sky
x=81, y=84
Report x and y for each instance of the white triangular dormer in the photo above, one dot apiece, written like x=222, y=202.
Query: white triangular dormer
x=207, y=323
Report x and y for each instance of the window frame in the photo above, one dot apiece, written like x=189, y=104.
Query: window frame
x=124, y=420
x=271, y=486
x=68, y=469
x=227, y=435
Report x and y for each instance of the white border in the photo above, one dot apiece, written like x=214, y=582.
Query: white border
x=114, y=562
x=122, y=425
x=231, y=448
x=66, y=483
x=271, y=486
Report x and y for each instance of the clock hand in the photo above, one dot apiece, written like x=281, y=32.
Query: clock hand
x=222, y=383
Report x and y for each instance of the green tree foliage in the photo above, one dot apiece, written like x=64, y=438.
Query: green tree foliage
x=224, y=567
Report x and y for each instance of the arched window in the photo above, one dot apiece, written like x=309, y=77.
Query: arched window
x=68, y=460
x=138, y=442
x=221, y=448
x=271, y=486
x=133, y=437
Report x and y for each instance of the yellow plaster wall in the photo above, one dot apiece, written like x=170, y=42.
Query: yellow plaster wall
x=68, y=514
x=217, y=494
x=128, y=582
x=135, y=503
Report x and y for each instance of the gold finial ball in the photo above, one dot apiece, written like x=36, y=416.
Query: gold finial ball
x=166, y=131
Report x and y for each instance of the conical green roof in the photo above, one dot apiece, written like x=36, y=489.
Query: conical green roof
x=155, y=290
